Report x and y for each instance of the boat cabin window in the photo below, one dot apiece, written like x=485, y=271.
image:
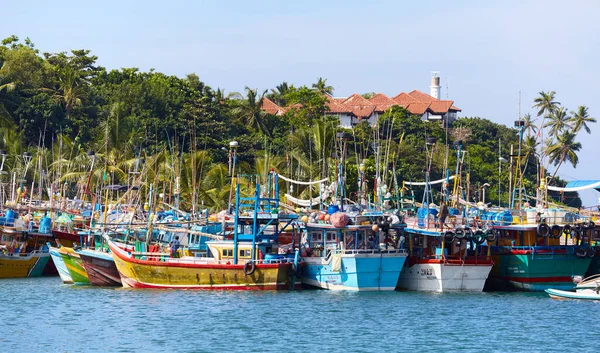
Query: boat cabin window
x=245, y=253
x=331, y=236
x=227, y=252
x=317, y=236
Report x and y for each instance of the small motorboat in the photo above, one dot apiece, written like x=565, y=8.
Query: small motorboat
x=587, y=288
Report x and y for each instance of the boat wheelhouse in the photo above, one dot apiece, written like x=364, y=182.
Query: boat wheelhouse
x=354, y=257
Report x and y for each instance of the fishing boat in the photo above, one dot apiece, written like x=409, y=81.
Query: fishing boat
x=100, y=267
x=60, y=265
x=356, y=256
x=73, y=263
x=244, y=263
x=23, y=252
x=445, y=259
x=587, y=288
x=532, y=257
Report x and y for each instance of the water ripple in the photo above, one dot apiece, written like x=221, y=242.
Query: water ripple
x=41, y=314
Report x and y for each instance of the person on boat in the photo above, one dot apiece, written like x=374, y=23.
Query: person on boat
x=443, y=214
x=175, y=246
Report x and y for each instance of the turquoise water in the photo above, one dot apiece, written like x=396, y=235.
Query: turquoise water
x=43, y=315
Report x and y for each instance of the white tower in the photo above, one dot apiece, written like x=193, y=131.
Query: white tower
x=434, y=89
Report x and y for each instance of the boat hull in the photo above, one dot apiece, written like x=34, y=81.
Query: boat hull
x=74, y=266
x=561, y=294
x=23, y=265
x=438, y=275
x=354, y=270
x=100, y=268
x=189, y=273
x=63, y=272
x=536, y=270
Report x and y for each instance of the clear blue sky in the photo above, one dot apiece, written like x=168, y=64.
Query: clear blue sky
x=486, y=53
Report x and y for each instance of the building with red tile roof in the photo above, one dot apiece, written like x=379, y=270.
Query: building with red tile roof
x=356, y=108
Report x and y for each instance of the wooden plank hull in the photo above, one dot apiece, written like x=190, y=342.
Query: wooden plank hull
x=100, y=268
x=189, y=274
x=74, y=265
x=23, y=265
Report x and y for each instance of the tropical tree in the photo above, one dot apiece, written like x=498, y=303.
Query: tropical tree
x=5, y=88
x=558, y=120
x=565, y=148
x=278, y=94
x=545, y=103
x=529, y=127
x=580, y=118
x=322, y=87
x=249, y=110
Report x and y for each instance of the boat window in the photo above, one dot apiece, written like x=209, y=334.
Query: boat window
x=227, y=252
x=331, y=236
x=317, y=236
x=244, y=253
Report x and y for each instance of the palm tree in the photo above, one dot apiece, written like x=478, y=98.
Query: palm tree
x=530, y=128
x=322, y=86
x=250, y=110
x=545, y=103
x=564, y=149
x=278, y=94
x=580, y=118
x=5, y=87
x=558, y=121
x=70, y=89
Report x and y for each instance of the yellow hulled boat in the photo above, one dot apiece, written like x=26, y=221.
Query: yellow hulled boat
x=191, y=272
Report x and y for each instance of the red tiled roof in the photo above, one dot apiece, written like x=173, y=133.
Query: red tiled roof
x=404, y=99
x=336, y=107
x=421, y=97
x=455, y=108
x=418, y=108
x=382, y=102
x=363, y=112
x=440, y=107
x=356, y=99
x=271, y=108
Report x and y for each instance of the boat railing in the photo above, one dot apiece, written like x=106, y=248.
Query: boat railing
x=372, y=251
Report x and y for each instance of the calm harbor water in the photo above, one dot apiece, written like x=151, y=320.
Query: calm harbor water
x=43, y=315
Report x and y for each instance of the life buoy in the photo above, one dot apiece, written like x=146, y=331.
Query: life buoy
x=556, y=231
x=460, y=234
x=592, y=225
x=543, y=230
x=577, y=228
x=249, y=268
x=580, y=253
x=479, y=237
x=567, y=229
x=491, y=235
x=449, y=236
x=468, y=233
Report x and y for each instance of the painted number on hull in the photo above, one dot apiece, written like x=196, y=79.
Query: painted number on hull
x=426, y=272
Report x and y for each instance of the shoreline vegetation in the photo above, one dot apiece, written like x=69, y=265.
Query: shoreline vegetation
x=147, y=128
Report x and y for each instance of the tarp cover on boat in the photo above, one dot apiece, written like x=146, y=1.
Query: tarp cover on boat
x=577, y=185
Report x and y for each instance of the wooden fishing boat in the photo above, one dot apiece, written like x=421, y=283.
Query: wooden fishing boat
x=342, y=258
x=191, y=272
x=587, y=289
x=100, y=267
x=60, y=265
x=444, y=260
x=242, y=263
x=16, y=265
x=74, y=265
x=527, y=258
